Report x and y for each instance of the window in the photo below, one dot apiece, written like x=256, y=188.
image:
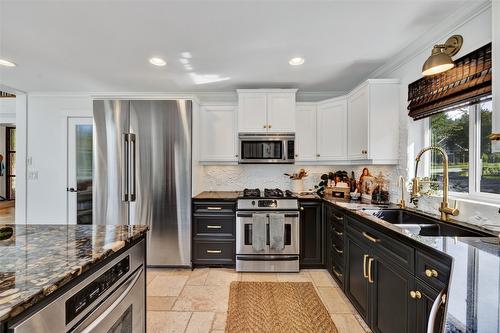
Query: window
x=463, y=134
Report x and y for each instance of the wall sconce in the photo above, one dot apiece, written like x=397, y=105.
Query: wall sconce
x=440, y=59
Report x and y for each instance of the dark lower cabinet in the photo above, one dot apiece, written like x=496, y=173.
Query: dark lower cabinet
x=356, y=283
x=392, y=306
x=311, y=234
x=424, y=304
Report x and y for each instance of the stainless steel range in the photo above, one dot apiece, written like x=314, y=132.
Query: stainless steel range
x=267, y=231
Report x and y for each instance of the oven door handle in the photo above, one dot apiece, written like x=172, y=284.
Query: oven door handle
x=113, y=306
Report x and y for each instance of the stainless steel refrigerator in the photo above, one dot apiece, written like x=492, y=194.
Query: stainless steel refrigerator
x=142, y=172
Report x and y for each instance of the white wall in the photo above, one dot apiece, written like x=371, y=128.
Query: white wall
x=477, y=31
x=47, y=154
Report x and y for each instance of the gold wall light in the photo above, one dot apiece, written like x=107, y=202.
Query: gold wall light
x=440, y=59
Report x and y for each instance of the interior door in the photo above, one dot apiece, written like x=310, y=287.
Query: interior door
x=79, y=187
x=110, y=162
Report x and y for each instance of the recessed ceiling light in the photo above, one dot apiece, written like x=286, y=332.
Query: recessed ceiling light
x=157, y=61
x=296, y=61
x=7, y=63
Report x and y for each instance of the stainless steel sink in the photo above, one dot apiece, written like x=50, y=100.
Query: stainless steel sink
x=423, y=225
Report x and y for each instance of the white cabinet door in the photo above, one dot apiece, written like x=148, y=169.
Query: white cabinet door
x=332, y=130
x=252, y=112
x=218, y=134
x=305, y=134
x=281, y=112
x=358, y=108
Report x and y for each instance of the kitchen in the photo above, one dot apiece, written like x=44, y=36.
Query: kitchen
x=211, y=170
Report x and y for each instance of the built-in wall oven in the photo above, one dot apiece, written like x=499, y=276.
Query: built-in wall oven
x=111, y=300
x=266, y=148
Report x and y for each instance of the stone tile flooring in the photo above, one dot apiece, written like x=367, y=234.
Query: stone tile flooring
x=181, y=300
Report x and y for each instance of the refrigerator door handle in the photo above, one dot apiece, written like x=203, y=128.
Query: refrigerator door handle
x=132, y=171
x=125, y=164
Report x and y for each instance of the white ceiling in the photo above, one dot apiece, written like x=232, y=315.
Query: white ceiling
x=104, y=46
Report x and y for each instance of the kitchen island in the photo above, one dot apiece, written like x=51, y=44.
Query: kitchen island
x=41, y=263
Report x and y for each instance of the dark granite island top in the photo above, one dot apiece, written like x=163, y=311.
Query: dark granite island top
x=39, y=259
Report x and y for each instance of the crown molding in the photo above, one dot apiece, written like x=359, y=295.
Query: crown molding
x=434, y=36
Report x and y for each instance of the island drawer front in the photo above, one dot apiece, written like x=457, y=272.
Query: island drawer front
x=387, y=246
x=214, y=225
x=214, y=252
x=338, y=258
x=336, y=217
x=338, y=274
x=433, y=271
x=214, y=207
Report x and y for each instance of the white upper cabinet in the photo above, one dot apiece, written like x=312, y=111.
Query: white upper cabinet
x=373, y=122
x=332, y=130
x=218, y=134
x=305, y=133
x=281, y=112
x=321, y=134
x=266, y=110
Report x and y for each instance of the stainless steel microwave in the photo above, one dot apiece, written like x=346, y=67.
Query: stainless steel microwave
x=266, y=148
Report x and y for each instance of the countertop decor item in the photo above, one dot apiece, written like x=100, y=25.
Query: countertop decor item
x=297, y=180
x=366, y=184
x=380, y=194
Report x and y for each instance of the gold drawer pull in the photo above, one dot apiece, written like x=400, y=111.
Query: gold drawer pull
x=339, y=233
x=339, y=275
x=371, y=238
x=415, y=294
x=214, y=227
x=431, y=273
x=339, y=218
x=336, y=249
x=214, y=251
x=214, y=208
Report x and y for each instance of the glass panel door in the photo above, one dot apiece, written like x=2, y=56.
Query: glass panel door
x=80, y=170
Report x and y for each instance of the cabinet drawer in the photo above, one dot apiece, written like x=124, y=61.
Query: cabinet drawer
x=338, y=274
x=386, y=246
x=214, y=225
x=434, y=271
x=214, y=207
x=338, y=234
x=213, y=252
x=338, y=257
x=336, y=218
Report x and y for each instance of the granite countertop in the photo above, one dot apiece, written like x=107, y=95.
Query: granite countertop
x=39, y=259
x=218, y=195
x=474, y=292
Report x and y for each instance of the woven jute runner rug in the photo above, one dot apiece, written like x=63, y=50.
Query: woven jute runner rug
x=277, y=307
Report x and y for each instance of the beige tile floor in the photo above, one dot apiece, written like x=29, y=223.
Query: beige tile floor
x=197, y=301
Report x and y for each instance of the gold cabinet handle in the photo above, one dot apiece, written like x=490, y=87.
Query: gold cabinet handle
x=296, y=155
x=370, y=278
x=214, y=251
x=339, y=233
x=264, y=126
x=338, y=218
x=301, y=208
x=214, y=208
x=415, y=294
x=364, y=152
x=431, y=273
x=334, y=269
x=364, y=266
x=318, y=155
x=370, y=238
x=214, y=227
x=236, y=155
x=337, y=250
x=269, y=126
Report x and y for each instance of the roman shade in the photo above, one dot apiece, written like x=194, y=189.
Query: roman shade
x=465, y=84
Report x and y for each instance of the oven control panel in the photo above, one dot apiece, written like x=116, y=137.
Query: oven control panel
x=267, y=203
x=81, y=300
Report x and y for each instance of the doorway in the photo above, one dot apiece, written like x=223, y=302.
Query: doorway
x=79, y=189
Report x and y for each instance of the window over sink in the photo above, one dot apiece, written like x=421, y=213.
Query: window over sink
x=463, y=133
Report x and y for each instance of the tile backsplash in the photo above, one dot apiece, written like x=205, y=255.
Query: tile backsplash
x=238, y=177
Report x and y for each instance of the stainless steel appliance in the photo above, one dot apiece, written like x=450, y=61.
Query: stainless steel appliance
x=248, y=259
x=110, y=300
x=142, y=172
x=266, y=148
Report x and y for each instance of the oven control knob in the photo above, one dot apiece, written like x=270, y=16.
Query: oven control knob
x=253, y=202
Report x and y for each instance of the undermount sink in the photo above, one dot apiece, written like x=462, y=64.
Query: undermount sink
x=423, y=225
